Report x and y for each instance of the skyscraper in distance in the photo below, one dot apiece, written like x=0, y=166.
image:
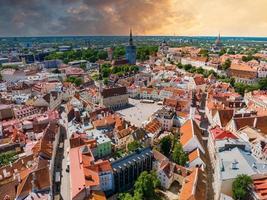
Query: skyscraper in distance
x=131, y=51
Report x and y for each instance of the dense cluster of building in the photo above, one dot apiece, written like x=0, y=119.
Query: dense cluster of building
x=60, y=138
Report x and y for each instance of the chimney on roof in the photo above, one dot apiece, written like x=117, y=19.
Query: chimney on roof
x=222, y=166
x=235, y=164
x=254, y=165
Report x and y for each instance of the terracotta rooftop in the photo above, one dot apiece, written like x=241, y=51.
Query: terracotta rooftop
x=110, y=120
x=110, y=92
x=124, y=132
x=189, y=130
x=196, y=154
x=170, y=168
x=97, y=195
x=242, y=67
x=84, y=171
x=194, y=187
x=225, y=116
x=37, y=177
x=258, y=122
x=260, y=187
x=153, y=126
x=220, y=134
x=159, y=156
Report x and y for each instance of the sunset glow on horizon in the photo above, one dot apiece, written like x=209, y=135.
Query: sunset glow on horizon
x=146, y=17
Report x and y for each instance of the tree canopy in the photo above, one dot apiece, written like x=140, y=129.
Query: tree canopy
x=76, y=80
x=144, y=187
x=7, y=157
x=166, y=145
x=226, y=64
x=143, y=52
x=90, y=54
x=178, y=155
x=107, y=70
x=240, y=187
x=134, y=145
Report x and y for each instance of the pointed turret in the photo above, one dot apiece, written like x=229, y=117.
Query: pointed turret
x=218, y=41
x=131, y=38
x=131, y=50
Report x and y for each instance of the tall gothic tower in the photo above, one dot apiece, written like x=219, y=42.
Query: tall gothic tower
x=131, y=51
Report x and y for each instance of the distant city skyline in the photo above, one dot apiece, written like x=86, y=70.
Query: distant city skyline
x=145, y=17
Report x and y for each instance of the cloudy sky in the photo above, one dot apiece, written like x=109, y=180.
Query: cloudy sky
x=146, y=17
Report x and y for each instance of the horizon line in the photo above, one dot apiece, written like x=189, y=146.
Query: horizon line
x=226, y=36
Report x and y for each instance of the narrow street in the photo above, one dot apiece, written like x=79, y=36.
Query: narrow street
x=204, y=126
x=65, y=177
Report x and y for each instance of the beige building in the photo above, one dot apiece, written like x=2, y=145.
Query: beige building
x=6, y=112
x=114, y=97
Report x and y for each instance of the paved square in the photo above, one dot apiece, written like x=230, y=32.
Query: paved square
x=139, y=113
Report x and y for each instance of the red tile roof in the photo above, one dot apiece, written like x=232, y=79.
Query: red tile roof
x=84, y=171
x=219, y=134
x=34, y=177
x=260, y=187
x=196, y=154
x=189, y=130
x=195, y=186
x=153, y=126
x=225, y=116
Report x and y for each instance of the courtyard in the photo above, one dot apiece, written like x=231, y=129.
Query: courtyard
x=138, y=113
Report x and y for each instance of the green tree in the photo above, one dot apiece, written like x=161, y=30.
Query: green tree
x=166, y=145
x=78, y=81
x=125, y=196
x=240, y=88
x=105, y=72
x=83, y=66
x=263, y=83
x=240, y=187
x=187, y=67
x=146, y=184
x=231, y=51
x=119, y=51
x=102, y=55
x=200, y=70
x=134, y=145
x=204, y=52
x=178, y=155
x=247, y=58
x=222, y=52
x=7, y=157
x=105, y=81
x=180, y=65
x=226, y=64
x=143, y=52
x=192, y=70
x=144, y=187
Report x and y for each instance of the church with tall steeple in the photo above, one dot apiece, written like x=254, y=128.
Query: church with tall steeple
x=131, y=51
x=218, y=45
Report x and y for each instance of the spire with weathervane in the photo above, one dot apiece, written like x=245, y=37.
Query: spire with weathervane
x=131, y=38
x=218, y=41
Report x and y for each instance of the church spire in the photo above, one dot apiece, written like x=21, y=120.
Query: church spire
x=219, y=37
x=131, y=38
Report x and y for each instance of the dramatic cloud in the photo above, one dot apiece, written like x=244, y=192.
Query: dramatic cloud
x=146, y=17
